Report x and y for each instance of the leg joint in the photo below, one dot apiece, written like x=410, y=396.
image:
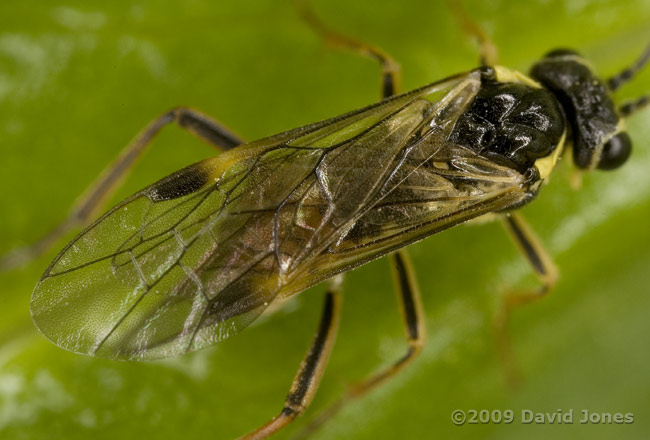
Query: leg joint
x=292, y=412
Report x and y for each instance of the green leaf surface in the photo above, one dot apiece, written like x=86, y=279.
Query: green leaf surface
x=78, y=79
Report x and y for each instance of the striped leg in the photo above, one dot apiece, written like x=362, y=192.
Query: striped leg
x=539, y=259
x=390, y=69
x=488, y=53
x=308, y=378
x=408, y=296
x=95, y=196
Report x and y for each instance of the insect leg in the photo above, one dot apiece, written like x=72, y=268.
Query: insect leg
x=110, y=179
x=308, y=378
x=390, y=69
x=543, y=266
x=532, y=248
x=408, y=295
x=488, y=53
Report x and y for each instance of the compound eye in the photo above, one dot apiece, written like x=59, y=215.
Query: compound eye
x=615, y=152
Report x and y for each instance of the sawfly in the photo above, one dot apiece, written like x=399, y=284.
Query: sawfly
x=194, y=258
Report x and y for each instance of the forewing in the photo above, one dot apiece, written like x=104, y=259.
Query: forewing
x=197, y=256
x=172, y=269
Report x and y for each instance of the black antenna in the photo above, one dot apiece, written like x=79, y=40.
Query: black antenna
x=628, y=73
x=633, y=106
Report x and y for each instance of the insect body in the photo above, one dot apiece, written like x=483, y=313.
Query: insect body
x=194, y=257
x=198, y=255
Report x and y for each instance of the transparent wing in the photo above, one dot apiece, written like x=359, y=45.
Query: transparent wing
x=197, y=256
x=425, y=196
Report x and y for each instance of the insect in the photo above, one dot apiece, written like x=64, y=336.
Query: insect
x=195, y=257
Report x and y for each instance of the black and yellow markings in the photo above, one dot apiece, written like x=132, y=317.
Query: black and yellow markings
x=305, y=384
x=195, y=257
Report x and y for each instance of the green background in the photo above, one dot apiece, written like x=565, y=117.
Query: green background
x=78, y=79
